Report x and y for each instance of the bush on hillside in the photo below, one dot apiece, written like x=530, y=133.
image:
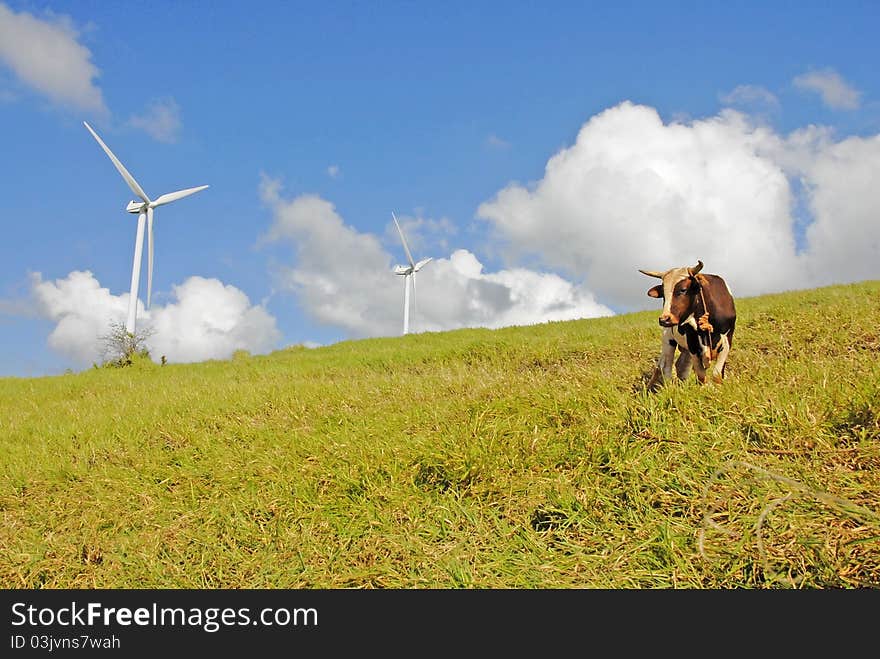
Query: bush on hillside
x=121, y=348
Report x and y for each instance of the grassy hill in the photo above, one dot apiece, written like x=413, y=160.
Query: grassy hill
x=525, y=457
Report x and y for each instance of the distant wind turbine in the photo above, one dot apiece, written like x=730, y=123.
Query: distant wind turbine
x=409, y=273
x=144, y=210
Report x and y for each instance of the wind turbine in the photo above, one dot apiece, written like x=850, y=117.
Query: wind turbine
x=144, y=210
x=409, y=274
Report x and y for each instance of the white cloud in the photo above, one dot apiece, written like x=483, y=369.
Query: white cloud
x=633, y=192
x=344, y=278
x=335, y=265
x=207, y=321
x=843, y=241
x=82, y=311
x=45, y=54
x=210, y=320
x=419, y=232
x=836, y=93
x=333, y=171
x=455, y=293
x=750, y=96
x=161, y=120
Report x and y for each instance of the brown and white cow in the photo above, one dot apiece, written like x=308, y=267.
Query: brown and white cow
x=699, y=338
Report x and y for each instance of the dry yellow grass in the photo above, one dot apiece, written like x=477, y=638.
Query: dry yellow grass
x=518, y=458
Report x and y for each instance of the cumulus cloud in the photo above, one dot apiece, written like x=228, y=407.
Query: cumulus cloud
x=421, y=231
x=455, y=292
x=207, y=320
x=335, y=265
x=344, y=278
x=161, y=120
x=634, y=192
x=840, y=179
x=82, y=312
x=836, y=93
x=45, y=54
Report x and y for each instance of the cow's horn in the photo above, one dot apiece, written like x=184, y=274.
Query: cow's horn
x=695, y=269
x=652, y=273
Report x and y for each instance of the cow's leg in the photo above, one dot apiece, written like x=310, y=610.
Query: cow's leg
x=663, y=369
x=683, y=365
x=729, y=348
x=721, y=361
x=667, y=354
x=699, y=369
x=705, y=355
x=656, y=379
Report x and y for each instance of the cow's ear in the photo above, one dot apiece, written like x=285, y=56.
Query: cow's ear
x=656, y=291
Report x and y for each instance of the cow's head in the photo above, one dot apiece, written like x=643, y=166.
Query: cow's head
x=678, y=289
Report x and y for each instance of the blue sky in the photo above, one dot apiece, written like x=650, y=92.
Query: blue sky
x=540, y=152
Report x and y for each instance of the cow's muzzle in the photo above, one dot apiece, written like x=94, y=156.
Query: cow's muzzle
x=666, y=321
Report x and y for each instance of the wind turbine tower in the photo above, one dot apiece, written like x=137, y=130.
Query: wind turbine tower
x=408, y=272
x=143, y=208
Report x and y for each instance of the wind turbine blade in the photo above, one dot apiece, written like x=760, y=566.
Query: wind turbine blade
x=403, y=240
x=422, y=263
x=149, y=255
x=137, y=189
x=174, y=196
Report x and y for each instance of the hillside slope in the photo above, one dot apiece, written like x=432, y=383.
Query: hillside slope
x=524, y=457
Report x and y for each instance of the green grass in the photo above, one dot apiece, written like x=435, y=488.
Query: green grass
x=525, y=457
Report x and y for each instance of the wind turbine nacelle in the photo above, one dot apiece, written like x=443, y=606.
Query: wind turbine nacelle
x=136, y=207
x=402, y=269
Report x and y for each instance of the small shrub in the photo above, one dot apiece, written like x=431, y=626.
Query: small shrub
x=122, y=348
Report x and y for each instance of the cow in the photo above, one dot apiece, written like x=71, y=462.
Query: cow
x=698, y=318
